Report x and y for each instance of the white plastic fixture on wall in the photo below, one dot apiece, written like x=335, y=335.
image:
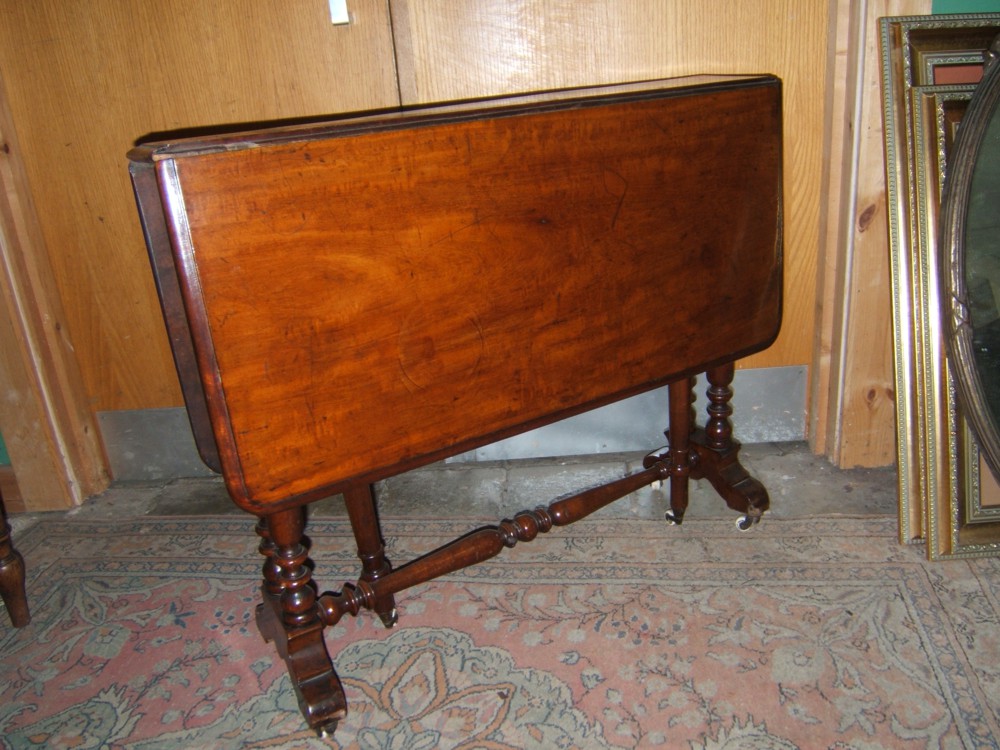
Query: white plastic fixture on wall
x=338, y=13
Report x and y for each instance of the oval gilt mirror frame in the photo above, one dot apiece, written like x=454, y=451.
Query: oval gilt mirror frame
x=970, y=255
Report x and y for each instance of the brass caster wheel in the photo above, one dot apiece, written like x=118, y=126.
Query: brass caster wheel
x=745, y=523
x=389, y=619
x=327, y=729
x=672, y=518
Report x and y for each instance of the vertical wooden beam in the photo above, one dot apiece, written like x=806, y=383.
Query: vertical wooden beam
x=836, y=139
x=49, y=430
x=852, y=413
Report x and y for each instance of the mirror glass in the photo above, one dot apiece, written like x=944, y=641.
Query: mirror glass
x=970, y=247
x=982, y=265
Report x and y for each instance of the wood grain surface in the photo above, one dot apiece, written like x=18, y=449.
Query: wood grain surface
x=366, y=301
x=86, y=79
x=448, y=50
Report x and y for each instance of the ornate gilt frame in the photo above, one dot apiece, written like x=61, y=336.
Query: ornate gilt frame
x=952, y=466
x=938, y=460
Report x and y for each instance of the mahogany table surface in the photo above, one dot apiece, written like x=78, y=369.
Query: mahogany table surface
x=353, y=298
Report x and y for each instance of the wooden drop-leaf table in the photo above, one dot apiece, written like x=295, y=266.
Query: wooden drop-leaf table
x=354, y=298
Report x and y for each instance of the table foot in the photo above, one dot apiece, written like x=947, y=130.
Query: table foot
x=708, y=453
x=12, y=574
x=289, y=617
x=721, y=467
x=318, y=688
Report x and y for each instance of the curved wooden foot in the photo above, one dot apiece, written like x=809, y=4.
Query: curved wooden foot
x=317, y=686
x=716, y=453
x=12, y=576
x=710, y=453
x=12, y=590
x=288, y=616
x=722, y=468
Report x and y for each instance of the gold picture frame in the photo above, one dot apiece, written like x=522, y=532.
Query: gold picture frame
x=952, y=471
x=941, y=479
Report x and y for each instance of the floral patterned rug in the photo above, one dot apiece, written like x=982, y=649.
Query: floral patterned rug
x=606, y=634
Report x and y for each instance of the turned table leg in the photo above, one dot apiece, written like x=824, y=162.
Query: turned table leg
x=678, y=436
x=361, y=509
x=12, y=575
x=717, y=453
x=289, y=616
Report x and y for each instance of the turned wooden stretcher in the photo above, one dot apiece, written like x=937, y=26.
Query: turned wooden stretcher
x=351, y=299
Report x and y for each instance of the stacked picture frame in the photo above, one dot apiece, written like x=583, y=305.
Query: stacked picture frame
x=948, y=497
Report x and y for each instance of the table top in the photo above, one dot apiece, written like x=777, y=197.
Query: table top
x=352, y=298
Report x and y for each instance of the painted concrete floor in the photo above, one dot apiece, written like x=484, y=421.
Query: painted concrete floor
x=800, y=485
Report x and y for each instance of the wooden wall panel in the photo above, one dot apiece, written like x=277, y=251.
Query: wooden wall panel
x=86, y=78
x=448, y=50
